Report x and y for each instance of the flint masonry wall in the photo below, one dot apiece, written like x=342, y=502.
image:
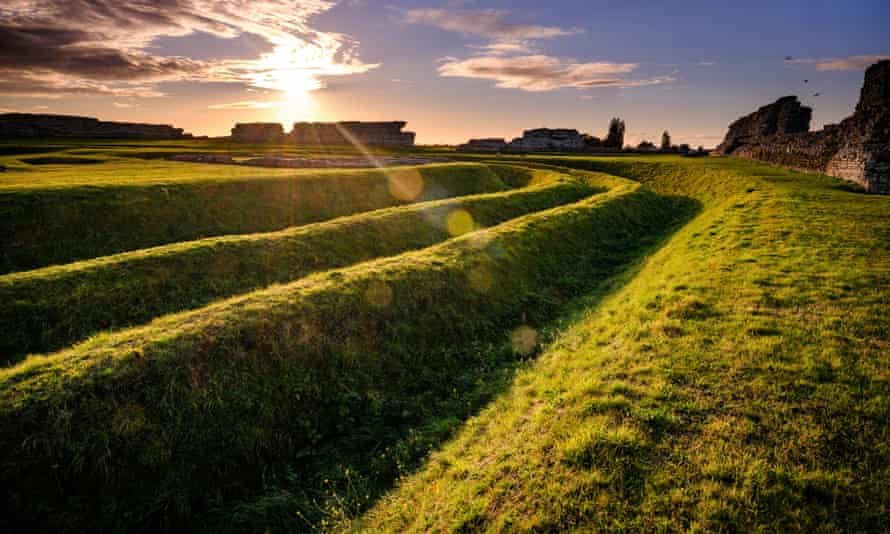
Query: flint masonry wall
x=857, y=149
x=42, y=125
x=258, y=132
x=350, y=132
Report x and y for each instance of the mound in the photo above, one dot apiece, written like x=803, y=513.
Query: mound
x=50, y=308
x=52, y=226
x=736, y=383
x=199, y=411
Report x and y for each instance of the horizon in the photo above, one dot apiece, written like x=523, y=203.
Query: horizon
x=452, y=70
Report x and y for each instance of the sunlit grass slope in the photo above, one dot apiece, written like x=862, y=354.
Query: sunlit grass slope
x=47, y=226
x=50, y=308
x=231, y=416
x=738, y=382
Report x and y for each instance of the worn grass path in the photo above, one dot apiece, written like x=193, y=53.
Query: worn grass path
x=738, y=382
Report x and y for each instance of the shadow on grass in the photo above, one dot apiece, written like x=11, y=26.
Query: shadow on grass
x=349, y=473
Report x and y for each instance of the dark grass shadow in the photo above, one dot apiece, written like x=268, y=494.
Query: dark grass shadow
x=348, y=474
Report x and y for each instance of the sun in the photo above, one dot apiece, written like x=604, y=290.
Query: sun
x=296, y=106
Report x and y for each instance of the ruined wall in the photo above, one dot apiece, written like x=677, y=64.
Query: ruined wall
x=537, y=140
x=346, y=133
x=856, y=149
x=559, y=139
x=40, y=125
x=258, y=132
x=488, y=144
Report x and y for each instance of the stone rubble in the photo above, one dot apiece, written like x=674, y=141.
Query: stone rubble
x=308, y=163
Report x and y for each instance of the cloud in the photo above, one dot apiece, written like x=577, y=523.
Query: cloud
x=507, y=47
x=123, y=105
x=545, y=73
x=251, y=104
x=488, y=23
x=706, y=63
x=841, y=63
x=48, y=84
x=102, y=46
x=512, y=60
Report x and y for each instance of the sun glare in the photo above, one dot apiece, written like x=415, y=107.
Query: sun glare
x=295, y=106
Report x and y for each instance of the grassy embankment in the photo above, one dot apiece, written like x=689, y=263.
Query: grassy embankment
x=50, y=308
x=65, y=213
x=233, y=415
x=738, y=382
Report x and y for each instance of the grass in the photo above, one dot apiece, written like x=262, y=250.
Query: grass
x=703, y=347
x=236, y=396
x=737, y=382
x=139, y=205
x=51, y=308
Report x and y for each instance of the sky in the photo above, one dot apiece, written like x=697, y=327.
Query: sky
x=452, y=69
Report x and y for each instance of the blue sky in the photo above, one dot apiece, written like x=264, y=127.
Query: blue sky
x=453, y=70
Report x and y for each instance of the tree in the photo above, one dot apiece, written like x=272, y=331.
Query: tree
x=615, y=138
x=646, y=145
x=665, y=141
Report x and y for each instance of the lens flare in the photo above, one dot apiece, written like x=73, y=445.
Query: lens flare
x=524, y=340
x=379, y=294
x=480, y=278
x=405, y=184
x=460, y=222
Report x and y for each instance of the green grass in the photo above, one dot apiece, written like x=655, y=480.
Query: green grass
x=702, y=347
x=737, y=382
x=200, y=411
x=51, y=308
x=140, y=205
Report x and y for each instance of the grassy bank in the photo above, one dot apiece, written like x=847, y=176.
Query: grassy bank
x=47, y=226
x=202, y=410
x=50, y=308
x=738, y=382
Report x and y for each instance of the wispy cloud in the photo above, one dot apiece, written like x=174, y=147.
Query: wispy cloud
x=54, y=48
x=489, y=23
x=246, y=105
x=123, y=105
x=841, y=63
x=546, y=73
x=511, y=57
x=507, y=47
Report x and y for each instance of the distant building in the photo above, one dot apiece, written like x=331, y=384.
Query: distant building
x=489, y=144
x=45, y=125
x=387, y=134
x=258, y=132
x=537, y=140
x=547, y=139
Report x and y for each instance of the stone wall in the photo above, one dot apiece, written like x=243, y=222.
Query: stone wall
x=536, y=140
x=856, y=149
x=349, y=133
x=545, y=139
x=489, y=144
x=258, y=132
x=41, y=125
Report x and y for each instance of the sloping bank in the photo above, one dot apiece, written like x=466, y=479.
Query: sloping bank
x=154, y=426
x=737, y=383
x=50, y=308
x=59, y=225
